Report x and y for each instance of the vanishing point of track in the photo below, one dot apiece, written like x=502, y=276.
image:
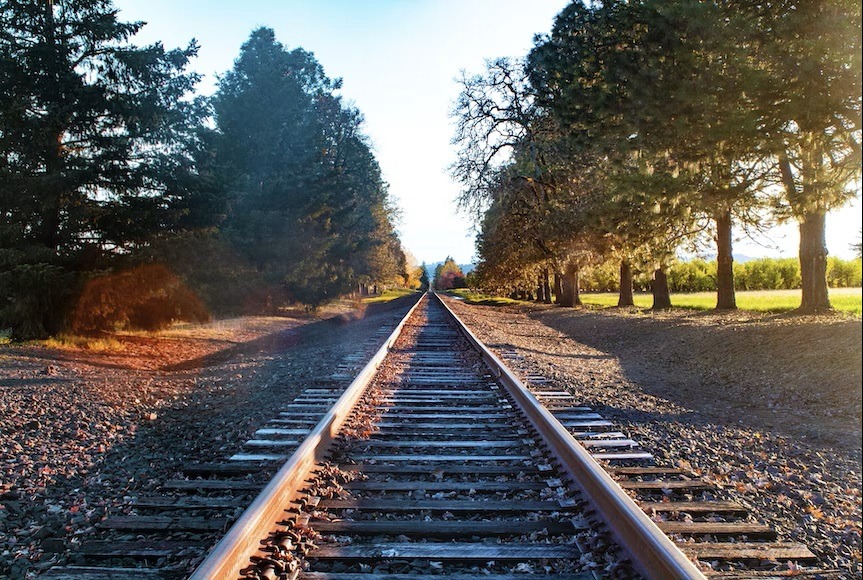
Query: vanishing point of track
x=438, y=461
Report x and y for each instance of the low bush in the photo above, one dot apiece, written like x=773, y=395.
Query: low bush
x=148, y=297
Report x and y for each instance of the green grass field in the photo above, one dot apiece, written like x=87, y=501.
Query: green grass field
x=845, y=300
x=389, y=295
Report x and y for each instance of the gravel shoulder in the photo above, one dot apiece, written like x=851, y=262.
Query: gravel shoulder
x=768, y=407
x=80, y=430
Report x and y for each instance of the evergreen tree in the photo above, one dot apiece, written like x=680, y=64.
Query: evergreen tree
x=94, y=136
x=308, y=206
x=424, y=277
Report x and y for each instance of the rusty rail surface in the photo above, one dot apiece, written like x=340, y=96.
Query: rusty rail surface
x=651, y=551
x=243, y=539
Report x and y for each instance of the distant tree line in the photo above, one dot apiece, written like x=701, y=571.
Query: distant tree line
x=635, y=130
x=126, y=200
x=448, y=275
x=699, y=275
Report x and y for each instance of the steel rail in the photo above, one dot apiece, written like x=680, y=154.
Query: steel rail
x=652, y=552
x=243, y=540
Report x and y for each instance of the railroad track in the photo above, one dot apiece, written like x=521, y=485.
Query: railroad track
x=438, y=460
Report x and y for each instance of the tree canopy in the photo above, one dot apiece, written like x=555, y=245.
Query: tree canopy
x=657, y=125
x=308, y=206
x=267, y=192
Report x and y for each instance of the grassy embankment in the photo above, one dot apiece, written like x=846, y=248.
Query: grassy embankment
x=845, y=300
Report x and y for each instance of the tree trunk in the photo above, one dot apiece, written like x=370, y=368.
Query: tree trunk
x=568, y=281
x=576, y=291
x=725, y=298
x=558, y=288
x=813, y=263
x=569, y=293
x=540, y=297
x=546, y=287
x=659, y=286
x=625, y=297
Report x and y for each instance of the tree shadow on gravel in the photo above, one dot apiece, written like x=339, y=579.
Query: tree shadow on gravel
x=287, y=338
x=11, y=383
x=798, y=378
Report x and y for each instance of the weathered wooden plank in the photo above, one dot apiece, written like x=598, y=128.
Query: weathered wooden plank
x=280, y=431
x=403, y=425
x=716, y=528
x=309, y=422
x=309, y=415
x=97, y=573
x=647, y=471
x=233, y=468
x=693, y=507
x=446, y=551
x=663, y=485
x=443, y=416
x=748, y=551
x=796, y=574
x=437, y=402
x=436, y=393
x=608, y=443
x=413, y=458
x=440, y=470
x=473, y=381
x=586, y=424
x=134, y=549
x=412, y=505
x=164, y=523
x=445, y=529
x=575, y=416
x=271, y=443
x=211, y=485
x=623, y=456
x=450, y=409
x=598, y=434
x=380, y=576
x=245, y=457
x=166, y=502
x=443, y=485
x=507, y=433
x=482, y=444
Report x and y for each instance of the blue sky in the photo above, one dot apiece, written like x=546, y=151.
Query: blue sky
x=399, y=60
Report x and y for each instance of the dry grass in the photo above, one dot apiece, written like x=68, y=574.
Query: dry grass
x=228, y=329
x=75, y=342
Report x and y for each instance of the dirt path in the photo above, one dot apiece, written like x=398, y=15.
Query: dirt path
x=767, y=407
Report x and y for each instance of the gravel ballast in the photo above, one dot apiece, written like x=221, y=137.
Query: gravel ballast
x=766, y=407
x=80, y=430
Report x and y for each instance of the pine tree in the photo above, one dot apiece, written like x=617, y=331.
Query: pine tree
x=308, y=206
x=93, y=134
